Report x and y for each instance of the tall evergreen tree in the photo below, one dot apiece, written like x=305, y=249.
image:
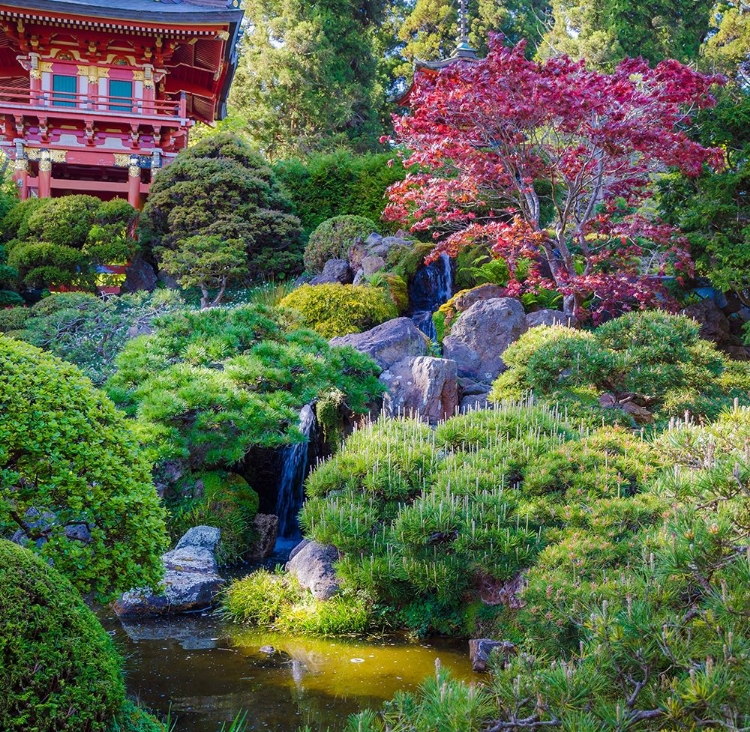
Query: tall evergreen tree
x=307, y=80
x=606, y=31
x=728, y=48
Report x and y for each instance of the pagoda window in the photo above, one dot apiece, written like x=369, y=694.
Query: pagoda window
x=121, y=95
x=64, y=90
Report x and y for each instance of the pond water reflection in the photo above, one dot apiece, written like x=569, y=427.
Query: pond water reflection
x=208, y=670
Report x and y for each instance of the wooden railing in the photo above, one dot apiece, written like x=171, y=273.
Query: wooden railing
x=75, y=101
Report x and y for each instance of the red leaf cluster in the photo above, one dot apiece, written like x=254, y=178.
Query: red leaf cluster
x=553, y=162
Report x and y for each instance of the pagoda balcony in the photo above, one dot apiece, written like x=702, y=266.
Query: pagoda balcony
x=84, y=107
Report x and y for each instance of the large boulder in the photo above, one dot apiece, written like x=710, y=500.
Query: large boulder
x=266, y=529
x=140, y=275
x=714, y=324
x=372, y=264
x=466, y=298
x=335, y=271
x=389, y=342
x=480, y=336
x=547, y=317
x=421, y=387
x=191, y=579
x=312, y=566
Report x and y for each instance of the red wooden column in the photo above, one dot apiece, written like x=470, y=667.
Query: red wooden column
x=45, y=175
x=21, y=177
x=134, y=182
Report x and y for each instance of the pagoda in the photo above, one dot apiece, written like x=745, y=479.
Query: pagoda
x=96, y=97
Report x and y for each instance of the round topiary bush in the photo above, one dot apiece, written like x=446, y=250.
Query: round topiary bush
x=332, y=239
x=73, y=484
x=337, y=310
x=59, y=670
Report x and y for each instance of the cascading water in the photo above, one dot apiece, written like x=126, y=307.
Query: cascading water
x=431, y=286
x=295, y=463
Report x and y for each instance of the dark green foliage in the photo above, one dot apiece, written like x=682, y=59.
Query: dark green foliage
x=220, y=187
x=207, y=386
x=653, y=358
x=133, y=718
x=8, y=298
x=87, y=330
x=59, y=241
x=337, y=310
x=713, y=210
x=333, y=238
x=59, y=671
x=322, y=186
x=219, y=499
x=69, y=464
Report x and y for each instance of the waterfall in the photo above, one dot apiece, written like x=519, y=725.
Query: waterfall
x=431, y=286
x=295, y=462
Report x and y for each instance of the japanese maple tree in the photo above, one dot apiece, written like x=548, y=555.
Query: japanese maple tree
x=551, y=165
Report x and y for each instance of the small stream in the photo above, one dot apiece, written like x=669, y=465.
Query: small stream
x=207, y=670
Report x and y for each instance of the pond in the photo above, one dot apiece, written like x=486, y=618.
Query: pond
x=207, y=670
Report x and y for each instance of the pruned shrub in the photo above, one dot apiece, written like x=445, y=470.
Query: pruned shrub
x=337, y=310
x=333, y=238
x=73, y=482
x=59, y=670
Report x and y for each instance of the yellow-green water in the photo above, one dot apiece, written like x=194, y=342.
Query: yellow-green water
x=207, y=671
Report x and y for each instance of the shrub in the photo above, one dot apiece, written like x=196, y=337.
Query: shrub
x=10, y=299
x=209, y=385
x=71, y=477
x=220, y=499
x=395, y=286
x=258, y=599
x=15, y=222
x=334, y=184
x=336, y=310
x=654, y=360
x=58, y=667
x=333, y=238
x=221, y=188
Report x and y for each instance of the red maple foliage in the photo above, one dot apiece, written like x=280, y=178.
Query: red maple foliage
x=553, y=163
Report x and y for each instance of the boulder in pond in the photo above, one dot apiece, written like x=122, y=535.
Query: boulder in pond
x=481, y=650
x=421, y=387
x=389, y=342
x=312, y=566
x=266, y=528
x=191, y=580
x=480, y=336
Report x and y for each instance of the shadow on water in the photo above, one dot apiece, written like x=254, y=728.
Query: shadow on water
x=208, y=670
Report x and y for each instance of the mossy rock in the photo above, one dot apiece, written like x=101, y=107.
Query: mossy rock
x=59, y=669
x=220, y=499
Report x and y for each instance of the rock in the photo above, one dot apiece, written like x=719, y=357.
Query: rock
x=640, y=414
x=422, y=387
x=472, y=402
x=167, y=280
x=359, y=278
x=266, y=527
x=373, y=240
x=388, y=343
x=191, y=580
x=480, y=336
x=548, y=317
x=469, y=387
x=714, y=324
x=465, y=299
x=372, y=264
x=481, y=649
x=140, y=275
x=334, y=271
x=42, y=524
x=607, y=401
x=312, y=566
x=298, y=548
